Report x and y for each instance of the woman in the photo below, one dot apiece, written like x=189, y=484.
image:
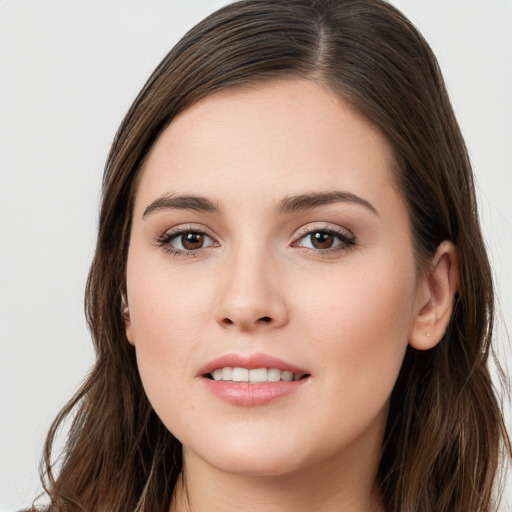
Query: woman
x=290, y=298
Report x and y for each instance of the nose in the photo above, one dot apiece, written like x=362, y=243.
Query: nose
x=251, y=297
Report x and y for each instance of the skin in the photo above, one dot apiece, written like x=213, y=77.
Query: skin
x=258, y=284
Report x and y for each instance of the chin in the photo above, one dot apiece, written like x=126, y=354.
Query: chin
x=248, y=457
x=263, y=464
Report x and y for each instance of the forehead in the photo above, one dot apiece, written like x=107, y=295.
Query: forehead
x=272, y=138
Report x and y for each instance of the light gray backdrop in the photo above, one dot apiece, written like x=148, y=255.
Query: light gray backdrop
x=68, y=73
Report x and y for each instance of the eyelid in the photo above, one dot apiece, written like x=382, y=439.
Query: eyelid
x=185, y=228
x=345, y=235
x=168, y=235
x=345, y=238
x=321, y=226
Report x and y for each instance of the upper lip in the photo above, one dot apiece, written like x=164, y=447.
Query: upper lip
x=250, y=361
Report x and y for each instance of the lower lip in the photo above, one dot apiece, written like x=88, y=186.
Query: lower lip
x=247, y=394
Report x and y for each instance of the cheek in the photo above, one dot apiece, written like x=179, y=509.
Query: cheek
x=361, y=330
x=164, y=314
x=165, y=305
x=164, y=344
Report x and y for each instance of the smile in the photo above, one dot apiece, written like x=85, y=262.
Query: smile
x=252, y=379
x=254, y=375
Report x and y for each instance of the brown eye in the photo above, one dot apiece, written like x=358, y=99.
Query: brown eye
x=322, y=240
x=186, y=241
x=326, y=240
x=192, y=240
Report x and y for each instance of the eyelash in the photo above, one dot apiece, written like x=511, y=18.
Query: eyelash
x=165, y=240
x=346, y=240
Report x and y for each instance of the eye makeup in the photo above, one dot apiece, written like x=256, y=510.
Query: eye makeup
x=325, y=240
x=185, y=241
x=189, y=240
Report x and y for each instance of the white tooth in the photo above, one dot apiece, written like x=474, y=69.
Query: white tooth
x=240, y=375
x=297, y=376
x=227, y=373
x=287, y=376
x=273, y=375
x=258, y=375
x=217, y=374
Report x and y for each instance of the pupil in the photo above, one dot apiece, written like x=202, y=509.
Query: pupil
x=192, y=241
x=322, y=240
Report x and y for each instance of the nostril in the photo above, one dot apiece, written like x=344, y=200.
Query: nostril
x=228, y=321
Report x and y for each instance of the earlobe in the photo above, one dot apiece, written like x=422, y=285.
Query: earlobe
x=436, y=297
x=125, y=312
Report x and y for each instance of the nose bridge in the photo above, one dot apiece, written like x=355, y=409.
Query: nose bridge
x=250, y=298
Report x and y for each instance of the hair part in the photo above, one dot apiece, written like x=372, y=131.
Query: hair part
x=445, y=431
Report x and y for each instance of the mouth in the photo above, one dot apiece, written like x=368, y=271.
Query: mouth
x=253, y=375
x=252, y=380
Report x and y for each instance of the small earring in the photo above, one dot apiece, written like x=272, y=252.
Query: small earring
x=428, y=335
x=124, y=306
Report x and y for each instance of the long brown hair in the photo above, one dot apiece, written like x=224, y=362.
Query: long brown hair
x=445, y=432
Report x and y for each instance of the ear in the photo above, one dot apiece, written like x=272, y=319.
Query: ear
x=125, y=312
x=435, y=298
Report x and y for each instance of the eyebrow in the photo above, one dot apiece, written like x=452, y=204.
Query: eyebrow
x=174, y=202
x=287, y=205
x=308, y=201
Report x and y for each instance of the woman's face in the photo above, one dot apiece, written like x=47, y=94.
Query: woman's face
x=269, y=235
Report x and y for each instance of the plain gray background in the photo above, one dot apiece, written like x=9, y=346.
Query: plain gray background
x=68, y=72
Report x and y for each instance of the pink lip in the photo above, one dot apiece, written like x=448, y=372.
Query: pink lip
x=247, y=394
x=251, y=394
x=251, y=361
